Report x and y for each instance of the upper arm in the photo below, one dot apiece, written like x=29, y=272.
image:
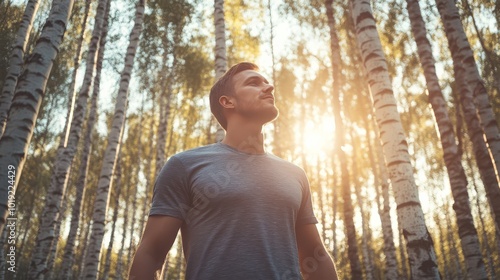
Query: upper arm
x=159, y=235
x=315, y=262
x=156, y=241
x=309, y=242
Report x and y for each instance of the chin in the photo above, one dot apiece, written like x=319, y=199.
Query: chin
x=273, y=115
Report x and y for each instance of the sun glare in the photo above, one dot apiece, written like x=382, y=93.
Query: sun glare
x=315, y=138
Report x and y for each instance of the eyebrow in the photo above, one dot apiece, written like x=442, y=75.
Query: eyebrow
x=256, y=77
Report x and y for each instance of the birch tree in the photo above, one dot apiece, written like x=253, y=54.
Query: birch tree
x=91, y=265
x=64, y=158
x=16, y=60
x=220, y=51
x=68, y=255
x=352, y=250
x=27, y=100
x=456, y=174
x=461, y=50
x=411, y=217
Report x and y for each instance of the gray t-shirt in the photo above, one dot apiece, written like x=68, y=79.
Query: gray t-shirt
x=239, y=212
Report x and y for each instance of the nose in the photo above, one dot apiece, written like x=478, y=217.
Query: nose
x=269, y=88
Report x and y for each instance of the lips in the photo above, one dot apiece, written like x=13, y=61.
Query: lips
x=269, y=96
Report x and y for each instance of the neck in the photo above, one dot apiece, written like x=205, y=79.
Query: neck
x=247, y=138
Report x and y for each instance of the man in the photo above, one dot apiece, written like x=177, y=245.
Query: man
x=243, y=213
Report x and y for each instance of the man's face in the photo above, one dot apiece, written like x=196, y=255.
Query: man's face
x=253, y=97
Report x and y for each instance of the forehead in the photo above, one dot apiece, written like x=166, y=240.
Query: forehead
x=246, y=75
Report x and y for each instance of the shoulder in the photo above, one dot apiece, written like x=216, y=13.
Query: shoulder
x=292, y=167
x=196, y=152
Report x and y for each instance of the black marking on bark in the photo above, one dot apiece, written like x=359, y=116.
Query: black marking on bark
x=363, y=16
x=406, y=204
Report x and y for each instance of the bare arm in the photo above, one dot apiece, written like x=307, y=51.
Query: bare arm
x=315, y=262
x=156, y=241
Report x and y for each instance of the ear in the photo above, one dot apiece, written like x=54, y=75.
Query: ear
x=226, y=102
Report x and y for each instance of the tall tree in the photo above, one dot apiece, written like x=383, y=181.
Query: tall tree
x=64, y=158
x=16, y=60
x=356, y=272
x=456, y=174
x=68, y=256
x=220, y=51
x=418, y=241
x=91, y=265
x=27, y=100
x=381, y=184
x=461, y=50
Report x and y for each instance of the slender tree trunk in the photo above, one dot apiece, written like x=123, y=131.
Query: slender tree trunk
x=276, y=123
x=321, y=198
x=91, y=266
x=483, y=160
x=68, y=257
x=220, y=51
x=16, y=60
x=27, y=100
x=485, y=245
x=85, y=250
x=462, y=52
x=119, y=268
x=335, y=198
x=64, y=159
x=76, y=65
x=453, y=251
x=444, y=254
x=366, y=235
x=107, y=262
x=418, y=241
x=458, y=180
x=381, y=185
x=356, y=272
x=149, y=181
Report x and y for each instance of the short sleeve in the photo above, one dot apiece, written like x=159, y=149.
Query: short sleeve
x=306, y=213
x=170, y=194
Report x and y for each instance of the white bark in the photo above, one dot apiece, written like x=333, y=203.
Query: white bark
x=458, y=180
x=461, y=50
x=27, y=100
x=16, y=60
x=64, y=159
x=91, y=264
x=220, y=51
x=418, y=241
x=68, y=257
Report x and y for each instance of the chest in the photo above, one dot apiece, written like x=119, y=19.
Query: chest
x=232, y=185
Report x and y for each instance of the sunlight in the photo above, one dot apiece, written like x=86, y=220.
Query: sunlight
x=315, y=138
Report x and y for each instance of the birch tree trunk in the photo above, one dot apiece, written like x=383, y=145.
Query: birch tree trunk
x=352, y=251
x=220, y=51
x=27, y=100
x=458, y=180
x=64, y=158
x=381, y=184
x=107, y=262
x=119, y=268
x=91, y=265
x=418, y=241
x=485, y=246
x=76, y=65
x=461, y=50
x=366, y=234
x=483, y=160
x=68, y=257
x=16, y=60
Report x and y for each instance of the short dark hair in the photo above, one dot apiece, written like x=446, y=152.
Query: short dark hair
x=225, y=86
